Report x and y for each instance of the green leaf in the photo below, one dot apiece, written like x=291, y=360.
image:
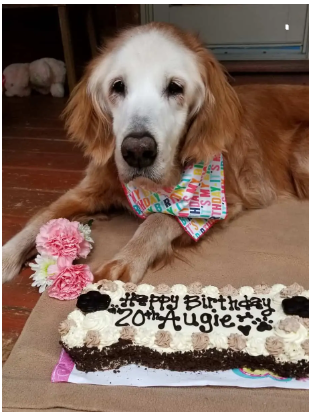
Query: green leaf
x=90, y=222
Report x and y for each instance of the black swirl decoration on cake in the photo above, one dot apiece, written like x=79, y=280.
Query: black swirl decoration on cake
x=93, y=301
x=297, y=305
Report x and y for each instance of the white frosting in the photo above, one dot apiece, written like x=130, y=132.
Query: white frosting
x=181, y=342
x=77, y=316
x=218, y=341
x=211, y=291
x=104, y=322
x=119, y=283
x=99, y=321
x=75, y=337
x=108, y=336
x=256, y=346
x=145, y=337
x=277, y=300
x=305, y=294
x=277, y=288
x=282, y=358
x=294, y=351
x=119, y=292
x=179, y=289
x=296, y=337
x=246, y=290
x=89, y=287
x=144, y=289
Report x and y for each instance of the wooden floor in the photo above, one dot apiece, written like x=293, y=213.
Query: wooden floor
x=39, y=164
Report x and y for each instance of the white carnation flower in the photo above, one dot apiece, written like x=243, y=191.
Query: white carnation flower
x=85, y=230
x=41, y=275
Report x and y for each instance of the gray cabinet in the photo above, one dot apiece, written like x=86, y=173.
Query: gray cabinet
x=241, y=32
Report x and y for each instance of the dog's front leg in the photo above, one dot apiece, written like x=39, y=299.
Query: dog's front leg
x=18, y=249
x=90, y=196
x=151, y=242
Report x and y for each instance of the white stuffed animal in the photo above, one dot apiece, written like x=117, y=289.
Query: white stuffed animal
x=15, y=80
x=44, y=75
x=48, y=76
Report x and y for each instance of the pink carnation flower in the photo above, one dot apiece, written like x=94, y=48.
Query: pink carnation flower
x=68, y=281
x=62, y=238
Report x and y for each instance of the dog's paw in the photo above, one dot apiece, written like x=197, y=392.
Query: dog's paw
x=11, y=263
x=126, y=270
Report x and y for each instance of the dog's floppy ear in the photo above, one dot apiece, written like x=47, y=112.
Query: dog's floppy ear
x=216, y=122
x=87, y=124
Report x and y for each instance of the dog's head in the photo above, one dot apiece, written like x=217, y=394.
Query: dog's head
x=156, y=99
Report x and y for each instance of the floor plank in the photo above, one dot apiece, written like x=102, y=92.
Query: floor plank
x=42, y=145
x=39, y=164
x=33, y=132
x=20, y=178
x=59, y=161
x=19, y=293
x=11, y=225
x=267, y=78
x=14, y=113
x=8, y=341
x=25, y=203
x=14, y=318
x=32, y=121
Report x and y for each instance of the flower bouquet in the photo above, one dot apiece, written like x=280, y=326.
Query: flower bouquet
x=59, y=243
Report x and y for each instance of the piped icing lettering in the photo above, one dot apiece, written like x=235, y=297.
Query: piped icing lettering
x=195, y=311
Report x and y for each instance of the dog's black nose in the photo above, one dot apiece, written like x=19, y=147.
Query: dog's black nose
x=139, y=150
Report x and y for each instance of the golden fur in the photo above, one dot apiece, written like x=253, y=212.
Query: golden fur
x=262, y=131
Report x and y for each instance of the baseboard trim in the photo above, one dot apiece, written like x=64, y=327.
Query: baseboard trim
x=274, y=66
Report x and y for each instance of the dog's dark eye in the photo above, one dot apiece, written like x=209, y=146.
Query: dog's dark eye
x=174, y=89
x=118, y=87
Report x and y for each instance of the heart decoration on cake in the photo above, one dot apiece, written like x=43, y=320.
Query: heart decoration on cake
x=244, y=329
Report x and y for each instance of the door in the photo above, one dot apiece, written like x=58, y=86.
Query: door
x=242, y=32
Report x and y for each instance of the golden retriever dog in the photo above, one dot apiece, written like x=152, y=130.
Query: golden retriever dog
x=153, y=101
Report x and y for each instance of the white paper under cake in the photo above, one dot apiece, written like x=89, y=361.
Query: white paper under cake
x=132, y=375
